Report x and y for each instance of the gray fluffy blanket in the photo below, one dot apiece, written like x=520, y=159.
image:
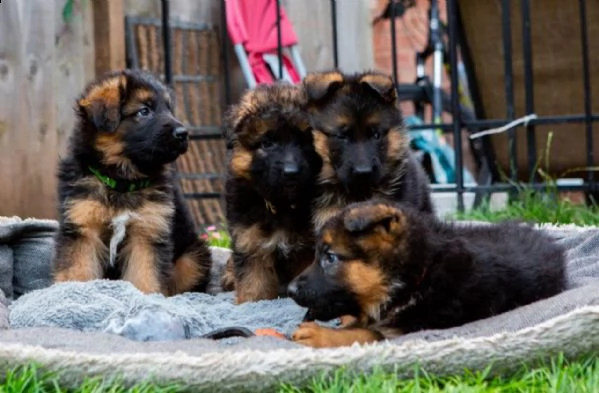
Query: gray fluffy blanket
x=106, y=323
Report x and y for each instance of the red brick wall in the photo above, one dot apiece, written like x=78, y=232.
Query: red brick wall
x=411, y=35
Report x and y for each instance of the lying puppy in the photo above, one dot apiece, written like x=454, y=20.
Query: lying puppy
x=359, y=133
x=398, y=271
x=121, y=214
x=271, y=174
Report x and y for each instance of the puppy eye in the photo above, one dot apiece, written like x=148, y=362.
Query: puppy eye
x=266, y=144
x=341, y=136
x=376, y=134
x=143, y=112
x=331, y=257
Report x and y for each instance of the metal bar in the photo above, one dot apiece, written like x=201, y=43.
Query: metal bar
x=279, y=40
x=202, y=195
x=509, y=84
x=510, y=187
x=393, y=42
x=213, y=129
x=193, y=78
x=131, y=48
x=166, y=42
x=245, y=66
x=455, y=107
x=175, y=24
x=200, y=176
x=203, y=137
x=528, y=87
x=297, y=59
x=185, y=68
x=225, y=50
x=587, y=91
x=483, y=150
x=562, y=119
x=334, y=27
x=437, y=46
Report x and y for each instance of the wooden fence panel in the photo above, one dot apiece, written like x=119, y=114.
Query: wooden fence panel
x=14, y=120
x=44, y=64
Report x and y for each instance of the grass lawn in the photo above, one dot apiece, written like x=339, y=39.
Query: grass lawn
x=540, y=208
x=558, y=376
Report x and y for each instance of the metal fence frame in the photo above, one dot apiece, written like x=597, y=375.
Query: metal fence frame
x=198, y=133
x=589, y=185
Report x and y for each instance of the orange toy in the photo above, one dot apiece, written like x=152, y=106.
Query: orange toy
x=269, y=332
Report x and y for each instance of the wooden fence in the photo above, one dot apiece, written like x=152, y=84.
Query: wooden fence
x=47, y=55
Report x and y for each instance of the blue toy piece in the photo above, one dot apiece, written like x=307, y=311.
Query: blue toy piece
x=441, y=155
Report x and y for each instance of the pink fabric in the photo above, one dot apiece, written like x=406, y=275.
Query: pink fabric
x=235, y=22
x=262, y=71
x=253, y=23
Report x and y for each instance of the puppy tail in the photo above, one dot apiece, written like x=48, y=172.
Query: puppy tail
x=191, y=271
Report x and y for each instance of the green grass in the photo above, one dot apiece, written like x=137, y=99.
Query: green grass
x=558, y=376
x=538, y=208
x=30, y=380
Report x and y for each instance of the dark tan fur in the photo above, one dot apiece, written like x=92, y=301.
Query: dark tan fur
x=357, y=122
x=397, y=271
x=160, y=251
x=268, y=210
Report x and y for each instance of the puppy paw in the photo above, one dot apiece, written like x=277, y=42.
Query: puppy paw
x=347, y=321
x=313, y=335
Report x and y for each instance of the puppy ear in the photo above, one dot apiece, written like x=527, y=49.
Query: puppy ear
x=380, y=84
x=373, y=217
x=102, y=104
x=105, y=117
x=230, y=122
x=319, y=85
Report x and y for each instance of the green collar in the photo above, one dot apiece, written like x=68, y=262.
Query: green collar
x=120, y=185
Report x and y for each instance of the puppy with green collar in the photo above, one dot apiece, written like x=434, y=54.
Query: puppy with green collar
x=121, y=214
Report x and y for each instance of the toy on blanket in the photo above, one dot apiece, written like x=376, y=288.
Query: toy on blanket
x=235, y=331
x=270, y=332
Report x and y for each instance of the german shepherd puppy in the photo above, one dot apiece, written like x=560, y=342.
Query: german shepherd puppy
x=397, y=271
x=121, y=214
x=359, y=133
x=271, y=175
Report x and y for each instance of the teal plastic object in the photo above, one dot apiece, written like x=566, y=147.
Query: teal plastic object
x=441, y=154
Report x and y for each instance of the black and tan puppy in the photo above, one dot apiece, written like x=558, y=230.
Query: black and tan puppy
x=359, y=133
x=121, y=215
x=272, y=169
x=398, y=271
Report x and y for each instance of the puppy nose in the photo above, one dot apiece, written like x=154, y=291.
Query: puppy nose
x=364, y=169
x=290, y=168
x=180, y=133
x=290, y=164
x=292, y=289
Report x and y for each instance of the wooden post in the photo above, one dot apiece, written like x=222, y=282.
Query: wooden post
x=109, y=35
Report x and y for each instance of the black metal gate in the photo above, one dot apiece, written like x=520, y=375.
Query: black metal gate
x=490, y=182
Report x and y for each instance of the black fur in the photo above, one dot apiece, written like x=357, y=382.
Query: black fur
x=437, y=274
x=150, y=146
x=263, y=195
x=358, y=145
